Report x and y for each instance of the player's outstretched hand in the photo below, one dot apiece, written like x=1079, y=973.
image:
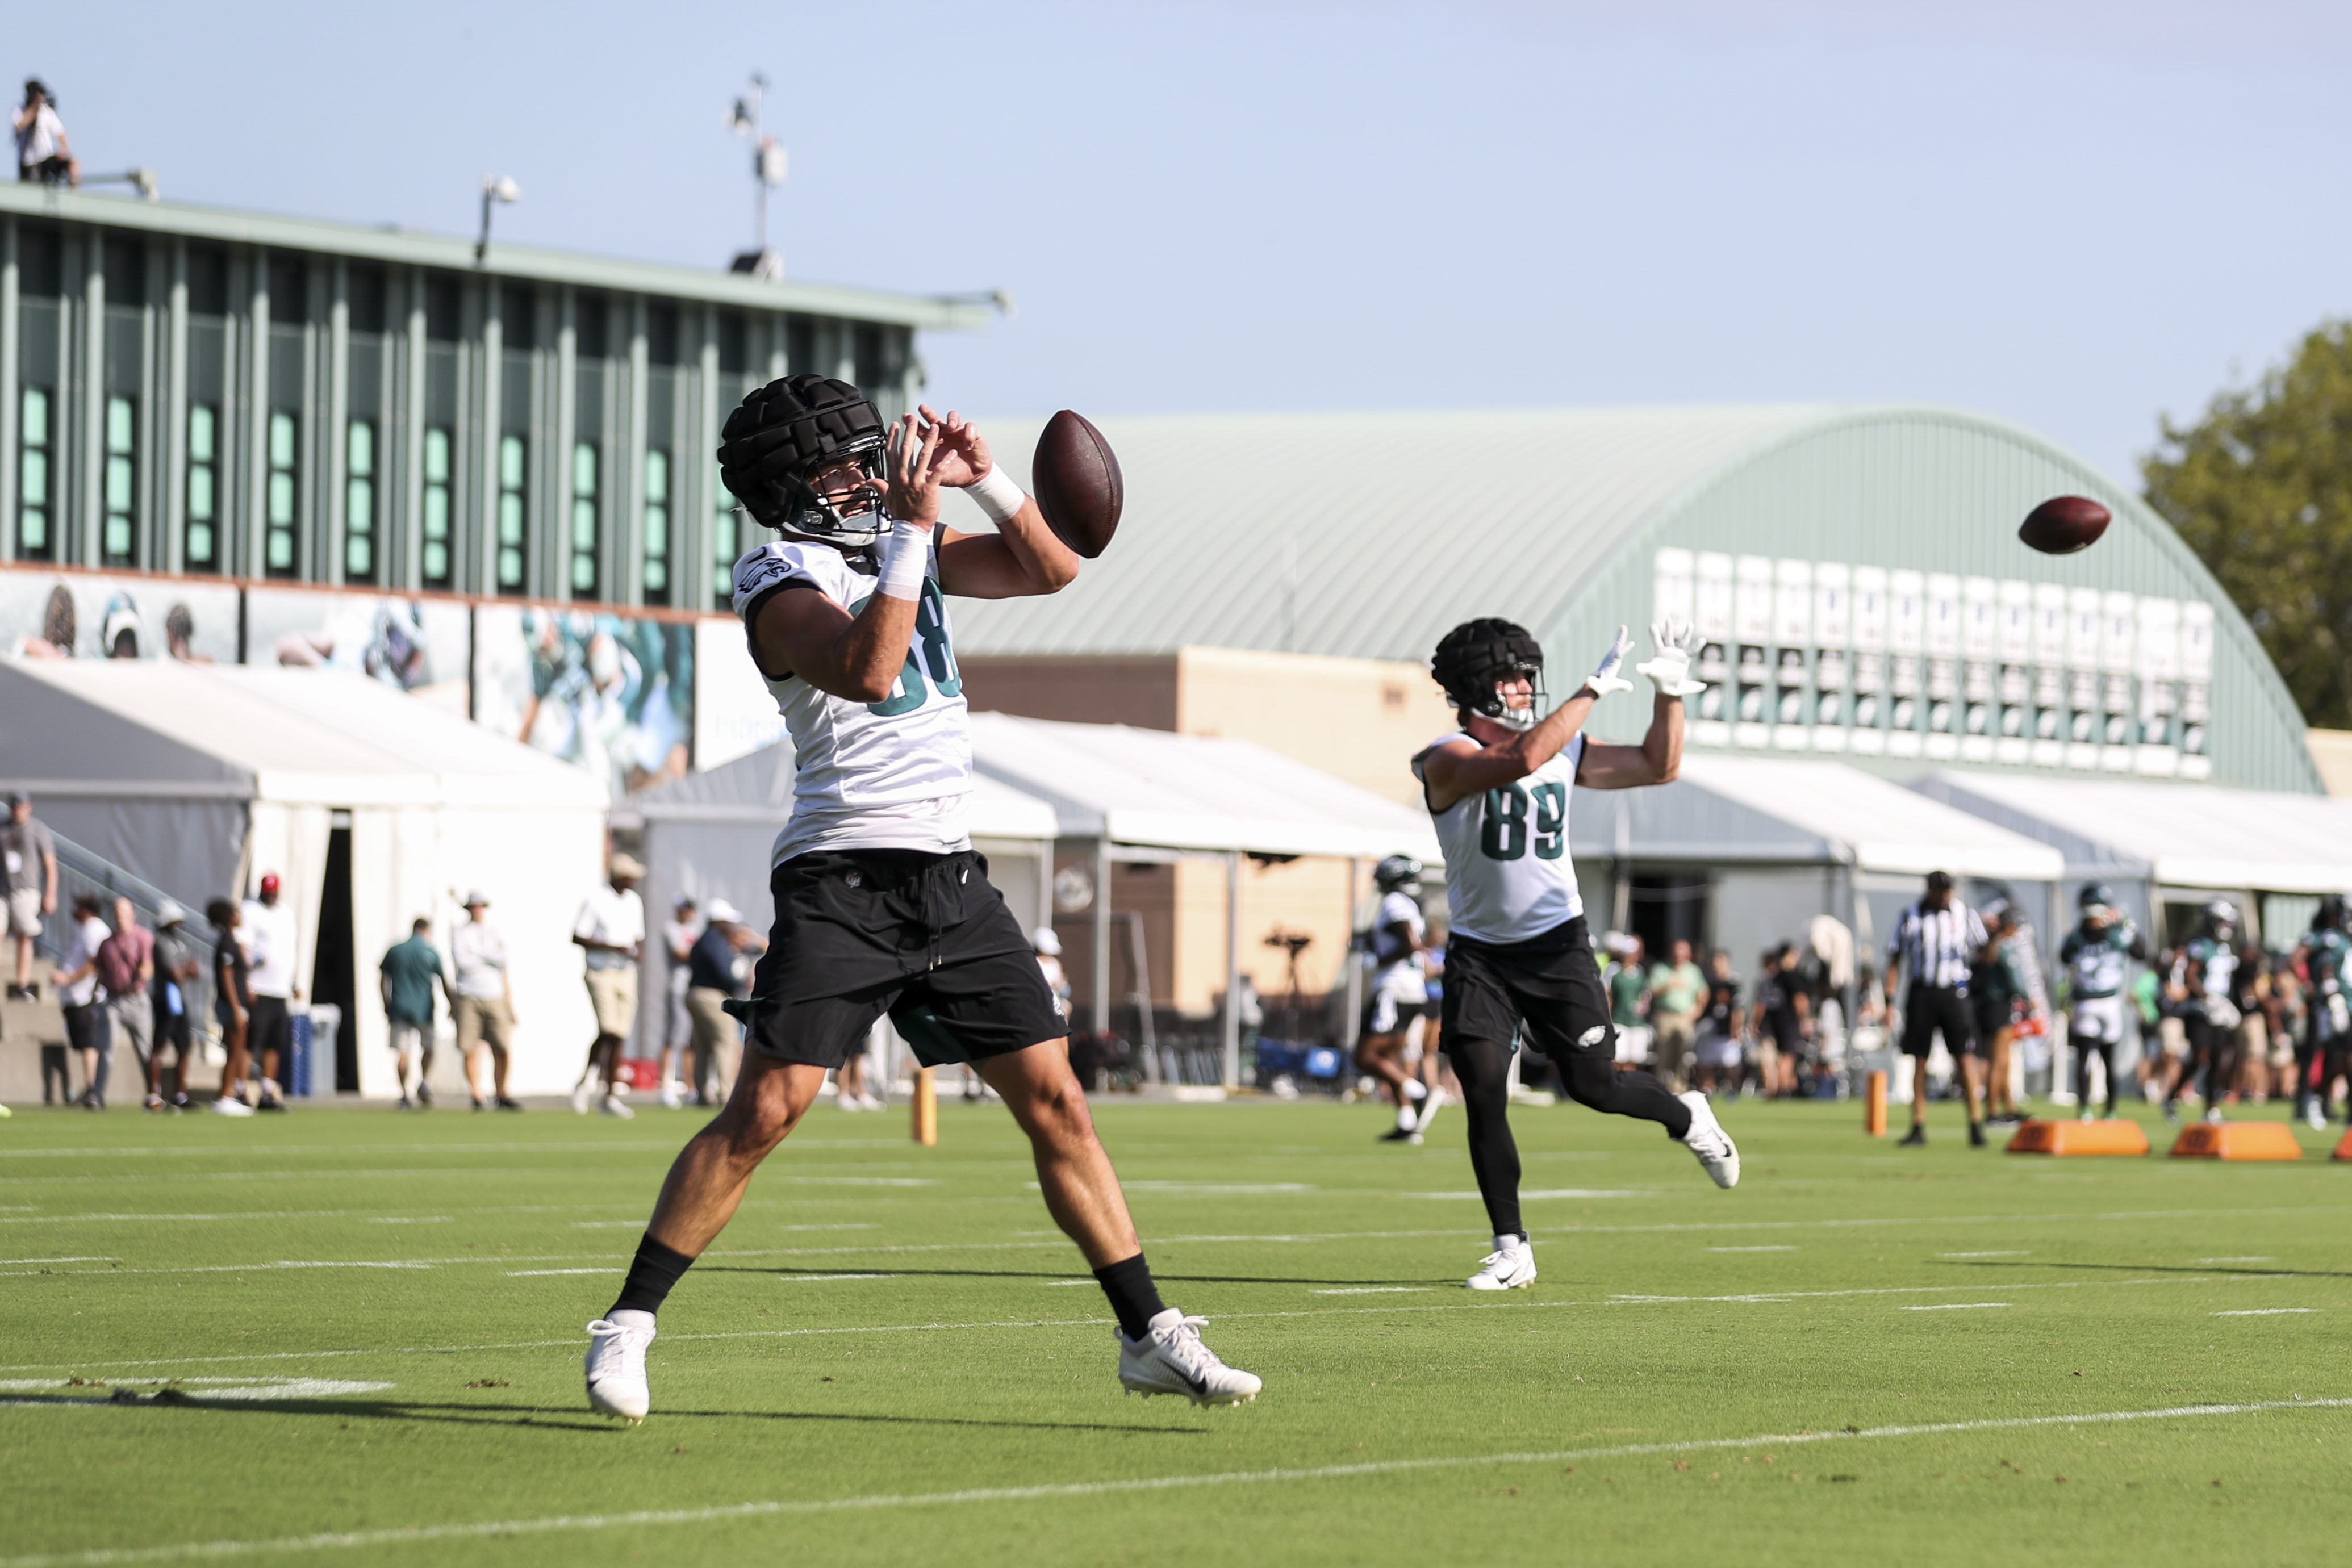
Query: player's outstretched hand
x=1679, y=644
x=1604, y=678
x=914, y=463
x=963, y=457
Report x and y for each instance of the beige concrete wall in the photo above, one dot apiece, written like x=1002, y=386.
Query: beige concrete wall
x=1138, y=689
x=1361, y=719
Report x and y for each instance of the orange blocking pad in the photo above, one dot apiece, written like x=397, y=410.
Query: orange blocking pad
x=2039, y=1137
x=2344, y=1149
x=2237, y=1140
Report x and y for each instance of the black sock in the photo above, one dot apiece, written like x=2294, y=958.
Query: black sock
x=652, y=1272
x=1132, y=1294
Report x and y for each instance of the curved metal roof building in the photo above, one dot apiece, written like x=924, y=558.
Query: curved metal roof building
x=1856, y=568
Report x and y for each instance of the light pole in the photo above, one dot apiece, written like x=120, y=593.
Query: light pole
x=767, y=169
x=495, y=189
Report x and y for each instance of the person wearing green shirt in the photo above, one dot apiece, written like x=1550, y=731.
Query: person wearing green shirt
x=409, y=971
x=1677, y=991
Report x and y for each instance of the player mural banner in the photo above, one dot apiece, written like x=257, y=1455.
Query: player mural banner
x=1870, y=661
x=85, y=615
x=421, y=647
x=611, y=693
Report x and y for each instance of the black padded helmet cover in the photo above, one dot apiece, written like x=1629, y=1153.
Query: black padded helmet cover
x=779, y=436
x=1476, y=654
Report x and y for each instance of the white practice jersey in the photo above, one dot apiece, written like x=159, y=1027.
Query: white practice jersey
x=1509, y=876
x=1397, y=970
x=888, y=775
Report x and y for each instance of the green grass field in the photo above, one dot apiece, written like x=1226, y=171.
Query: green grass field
x=1863, y=1352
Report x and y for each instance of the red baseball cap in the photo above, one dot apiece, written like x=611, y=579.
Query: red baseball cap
x=268, y=883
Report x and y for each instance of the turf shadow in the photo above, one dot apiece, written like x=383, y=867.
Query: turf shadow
x=571, y=1419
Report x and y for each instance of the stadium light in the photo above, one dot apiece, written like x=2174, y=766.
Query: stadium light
x=495, y=189
x=769, y=166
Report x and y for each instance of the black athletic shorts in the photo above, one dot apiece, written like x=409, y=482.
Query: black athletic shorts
x=1926, y=1010
x=923, y=937
x=1547, y=987
x=270, y=1027
x=1384, y=1014
x=1991, y=1014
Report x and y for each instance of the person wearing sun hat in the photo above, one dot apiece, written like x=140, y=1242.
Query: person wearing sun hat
x=612, y=927
x=484, y=1006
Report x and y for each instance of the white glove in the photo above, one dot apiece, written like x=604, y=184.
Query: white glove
x=1605, y=679
x=1679, y=644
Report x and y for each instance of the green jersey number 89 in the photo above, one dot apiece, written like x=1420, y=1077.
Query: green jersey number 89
x=1510, y=825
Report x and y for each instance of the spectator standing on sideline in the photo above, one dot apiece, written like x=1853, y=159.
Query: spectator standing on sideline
x=1677, y=991
x=175, y=966
x=1996, y=990
x=126, y=967
x=1936, y=939
x=1048, y=948
x=29, y=857
x=612, y=927
x=77, y=992
x=484, y=1005
x=409, y=971
x=1718, y=1026
x=711, y=981
x=1629, y=998
x=678, y=1029
x=232, y=1004
x=272, y=946
x=1783, y=1017
x=44, y=156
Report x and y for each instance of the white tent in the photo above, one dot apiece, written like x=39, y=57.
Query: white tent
x=2168, y=842
x=1785, y=838
x=1149, y=794
x=709, y=835
x=200, y=777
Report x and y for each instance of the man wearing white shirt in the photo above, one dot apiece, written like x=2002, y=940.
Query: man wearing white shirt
x=483, y=1008
x=612, y=927
x=271, y=947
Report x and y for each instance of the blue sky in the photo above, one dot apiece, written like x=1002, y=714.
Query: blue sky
x=2078, y=216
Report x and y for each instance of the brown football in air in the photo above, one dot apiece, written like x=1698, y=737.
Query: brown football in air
x=1077, y=483
x=2064, y=524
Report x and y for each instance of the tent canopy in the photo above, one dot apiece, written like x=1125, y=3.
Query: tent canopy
x=1149, y=787
x=2189, y=835
x=294, y=737
x=1767, y=811
x=758, y=790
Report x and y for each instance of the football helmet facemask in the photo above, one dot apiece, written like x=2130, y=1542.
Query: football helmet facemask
x=1397, y=874
x=1479, y=658
x=2220, y=920
x=783, y=436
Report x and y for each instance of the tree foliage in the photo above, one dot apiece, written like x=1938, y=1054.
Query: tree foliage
x=2261, y=488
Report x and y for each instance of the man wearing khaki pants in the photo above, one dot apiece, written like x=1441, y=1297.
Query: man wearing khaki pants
x=612, y=927
x=484, y=1007
x=1677, y=991
x=711, y=981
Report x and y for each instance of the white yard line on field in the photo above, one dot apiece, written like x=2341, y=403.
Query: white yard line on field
x=550, y=1525
x=1751, y=1249
x=1955, y=1306
x=2264, y=1312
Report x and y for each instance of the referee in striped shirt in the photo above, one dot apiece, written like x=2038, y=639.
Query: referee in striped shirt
x=1938, y=939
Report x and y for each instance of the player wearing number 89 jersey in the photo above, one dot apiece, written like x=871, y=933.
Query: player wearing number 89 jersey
x=1520, y=958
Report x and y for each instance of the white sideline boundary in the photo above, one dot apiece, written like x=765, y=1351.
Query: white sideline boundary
x=1764, y=1297
x=417, y=1534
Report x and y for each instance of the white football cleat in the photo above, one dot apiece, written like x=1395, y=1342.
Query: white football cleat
x=226, y=1106
x=584, y=1094
x=617, y=1106
x=671, y=1099
x=616, y=1365
x=1511, y=1266
x=1709, y=1142
x=1171, y=1359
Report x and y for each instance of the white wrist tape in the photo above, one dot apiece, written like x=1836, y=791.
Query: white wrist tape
x=998, y=495
x=906, y=555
